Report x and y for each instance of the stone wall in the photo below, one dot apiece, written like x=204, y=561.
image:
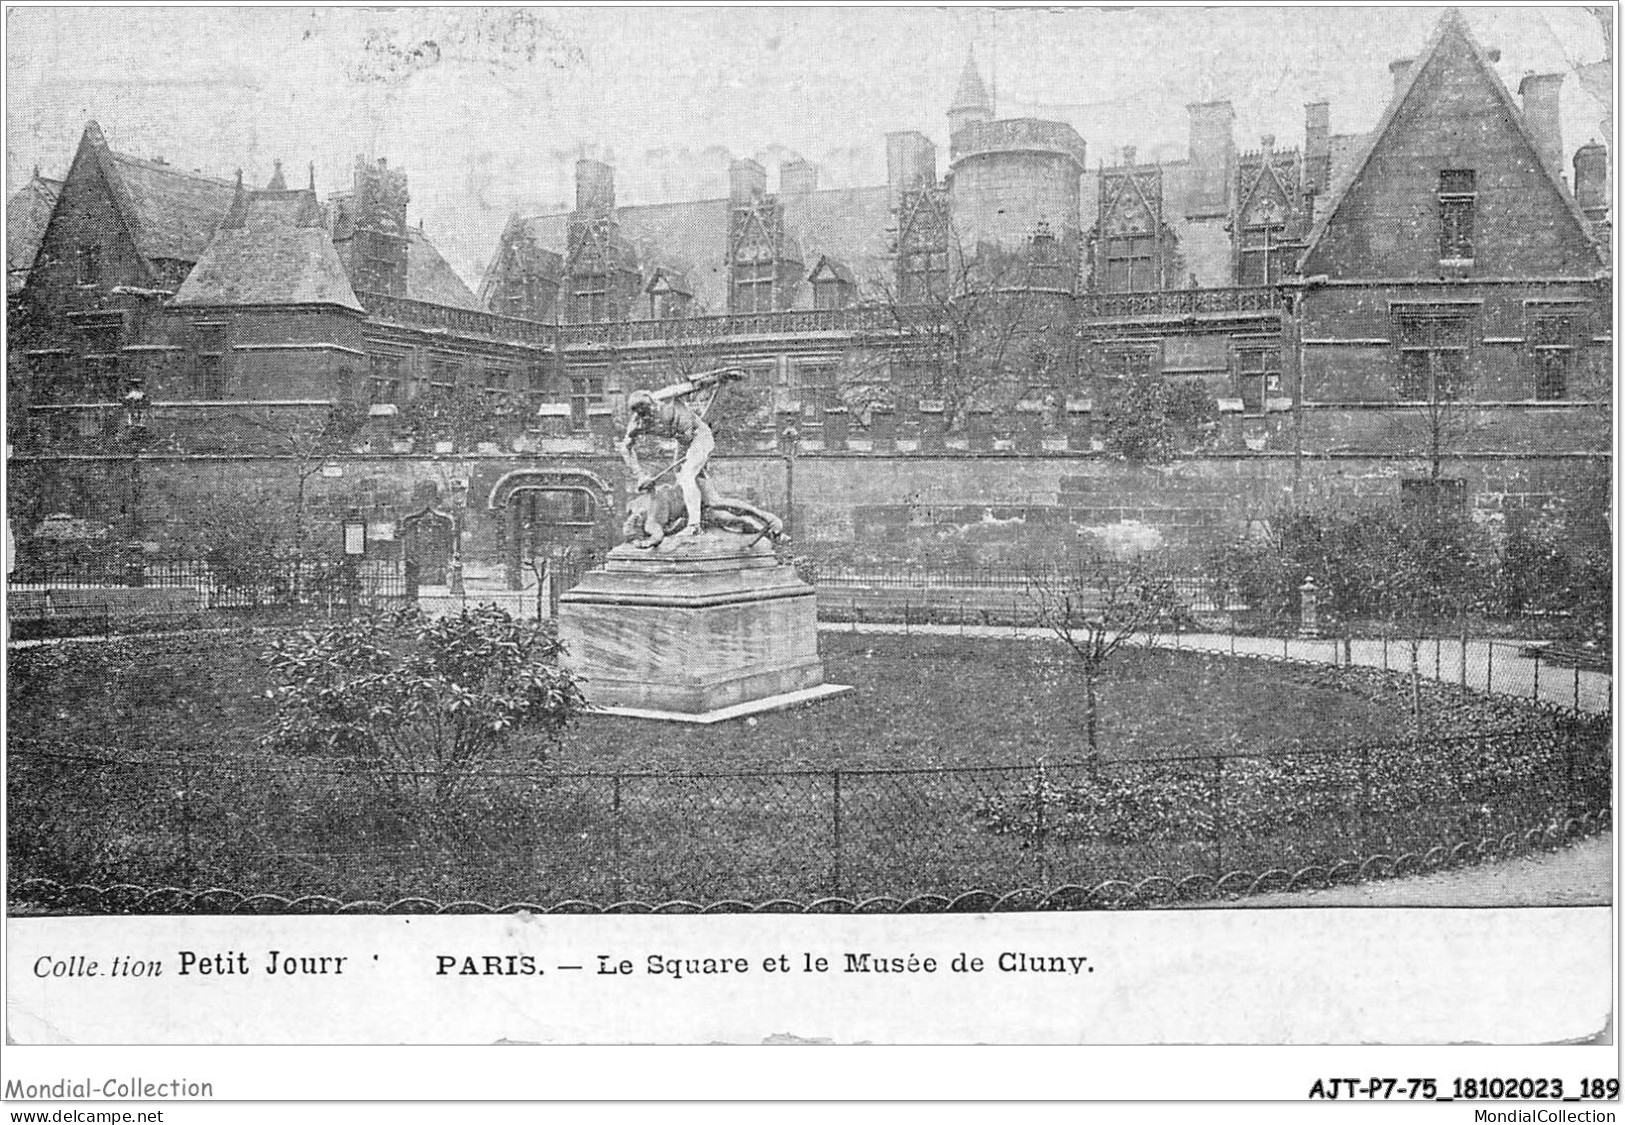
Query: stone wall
x=958, y=507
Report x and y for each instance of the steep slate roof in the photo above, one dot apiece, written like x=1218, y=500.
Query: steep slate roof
x=848, y=224
x=1451, y=25
x=27, y=214
x=272, y=249
x=429, y=278
x=174, y=214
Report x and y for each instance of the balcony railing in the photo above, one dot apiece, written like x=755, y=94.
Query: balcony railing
x=422, y=314
x=1182, y=302
x=780, y=322
x=855, y=320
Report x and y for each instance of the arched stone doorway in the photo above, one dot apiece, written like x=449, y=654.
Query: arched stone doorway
x=563, y=518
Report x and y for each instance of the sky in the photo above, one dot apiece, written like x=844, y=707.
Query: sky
x=487, y=109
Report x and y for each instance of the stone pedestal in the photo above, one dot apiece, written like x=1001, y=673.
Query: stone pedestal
x=697, y=629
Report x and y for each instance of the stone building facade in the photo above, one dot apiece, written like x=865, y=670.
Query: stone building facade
x=1424, y=306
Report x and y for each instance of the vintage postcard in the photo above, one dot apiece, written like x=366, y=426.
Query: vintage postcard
x=908, y=526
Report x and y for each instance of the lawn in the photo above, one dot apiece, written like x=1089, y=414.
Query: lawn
x=918, y=702
x=843, y=797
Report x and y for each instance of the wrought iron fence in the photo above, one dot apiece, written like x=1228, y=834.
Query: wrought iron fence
x=1182, y=826
x=1192, y=592
x=61, y=598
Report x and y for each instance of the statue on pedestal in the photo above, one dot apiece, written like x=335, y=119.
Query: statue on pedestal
x=690, y=502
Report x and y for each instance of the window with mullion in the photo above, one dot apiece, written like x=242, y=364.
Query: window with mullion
x=1260, y=377
x=753, y=286
x=1261, y=256
x=586, y=391
x=1131, y=264
x=1433, y=358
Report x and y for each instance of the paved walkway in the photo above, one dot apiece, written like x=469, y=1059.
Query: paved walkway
x=1581, y=874
x=1496, y=666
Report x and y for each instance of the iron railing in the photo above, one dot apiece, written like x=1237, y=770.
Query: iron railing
x=1189, y=824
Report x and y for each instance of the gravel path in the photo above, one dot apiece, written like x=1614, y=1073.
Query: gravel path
x=1581, y=874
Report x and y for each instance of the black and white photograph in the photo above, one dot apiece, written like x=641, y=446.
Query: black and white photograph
x=907, y=526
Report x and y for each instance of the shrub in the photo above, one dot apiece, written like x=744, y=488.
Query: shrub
x=421, y=705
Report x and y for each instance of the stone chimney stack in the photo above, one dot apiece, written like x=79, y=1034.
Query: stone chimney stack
x=799, y=177
x=911, y=164
x=1213, y=157
x=747, y=180
x=1401, y=70
x=1591, y=181
x=1540, y=112
x=1317, y=147
x=595, y=187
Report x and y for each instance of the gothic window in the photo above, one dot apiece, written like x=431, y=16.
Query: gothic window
x=592, y=297
x=586, y=391
x=1457, y=197
x=384, y=374
x=1258, y=369
x=922, y=248
x=1131, y=264
x=753, y=286
x=1432, y=357
x=1129, y=228
x=1262, y=256
x=925, y=275
x=815, y=388
x=1551, y=347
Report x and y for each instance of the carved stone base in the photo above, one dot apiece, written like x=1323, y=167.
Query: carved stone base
x=696, y=626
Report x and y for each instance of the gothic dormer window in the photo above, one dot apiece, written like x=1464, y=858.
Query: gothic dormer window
x=922, y=245
x=764, y=259
x=1130, y=231
x=1268, y=229
x=832, y=284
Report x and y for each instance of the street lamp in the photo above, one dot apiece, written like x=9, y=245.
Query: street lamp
x=791, y=436
x=135, y=418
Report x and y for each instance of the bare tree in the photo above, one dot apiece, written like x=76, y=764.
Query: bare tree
x=310, y=439
x=1094, y=605
x=967, y=333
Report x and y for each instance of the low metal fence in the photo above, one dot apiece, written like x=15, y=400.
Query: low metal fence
x=1180, y=826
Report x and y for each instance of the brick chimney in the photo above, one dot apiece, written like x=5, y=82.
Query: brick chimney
x=1540, y=112
x=1212, y=157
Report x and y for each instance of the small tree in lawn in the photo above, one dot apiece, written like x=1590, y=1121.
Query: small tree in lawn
x=421, y=705
x=1094, y=605
x=310, y=441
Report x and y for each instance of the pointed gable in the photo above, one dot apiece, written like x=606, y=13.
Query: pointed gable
x=1452, y=114
x=1266, y=203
